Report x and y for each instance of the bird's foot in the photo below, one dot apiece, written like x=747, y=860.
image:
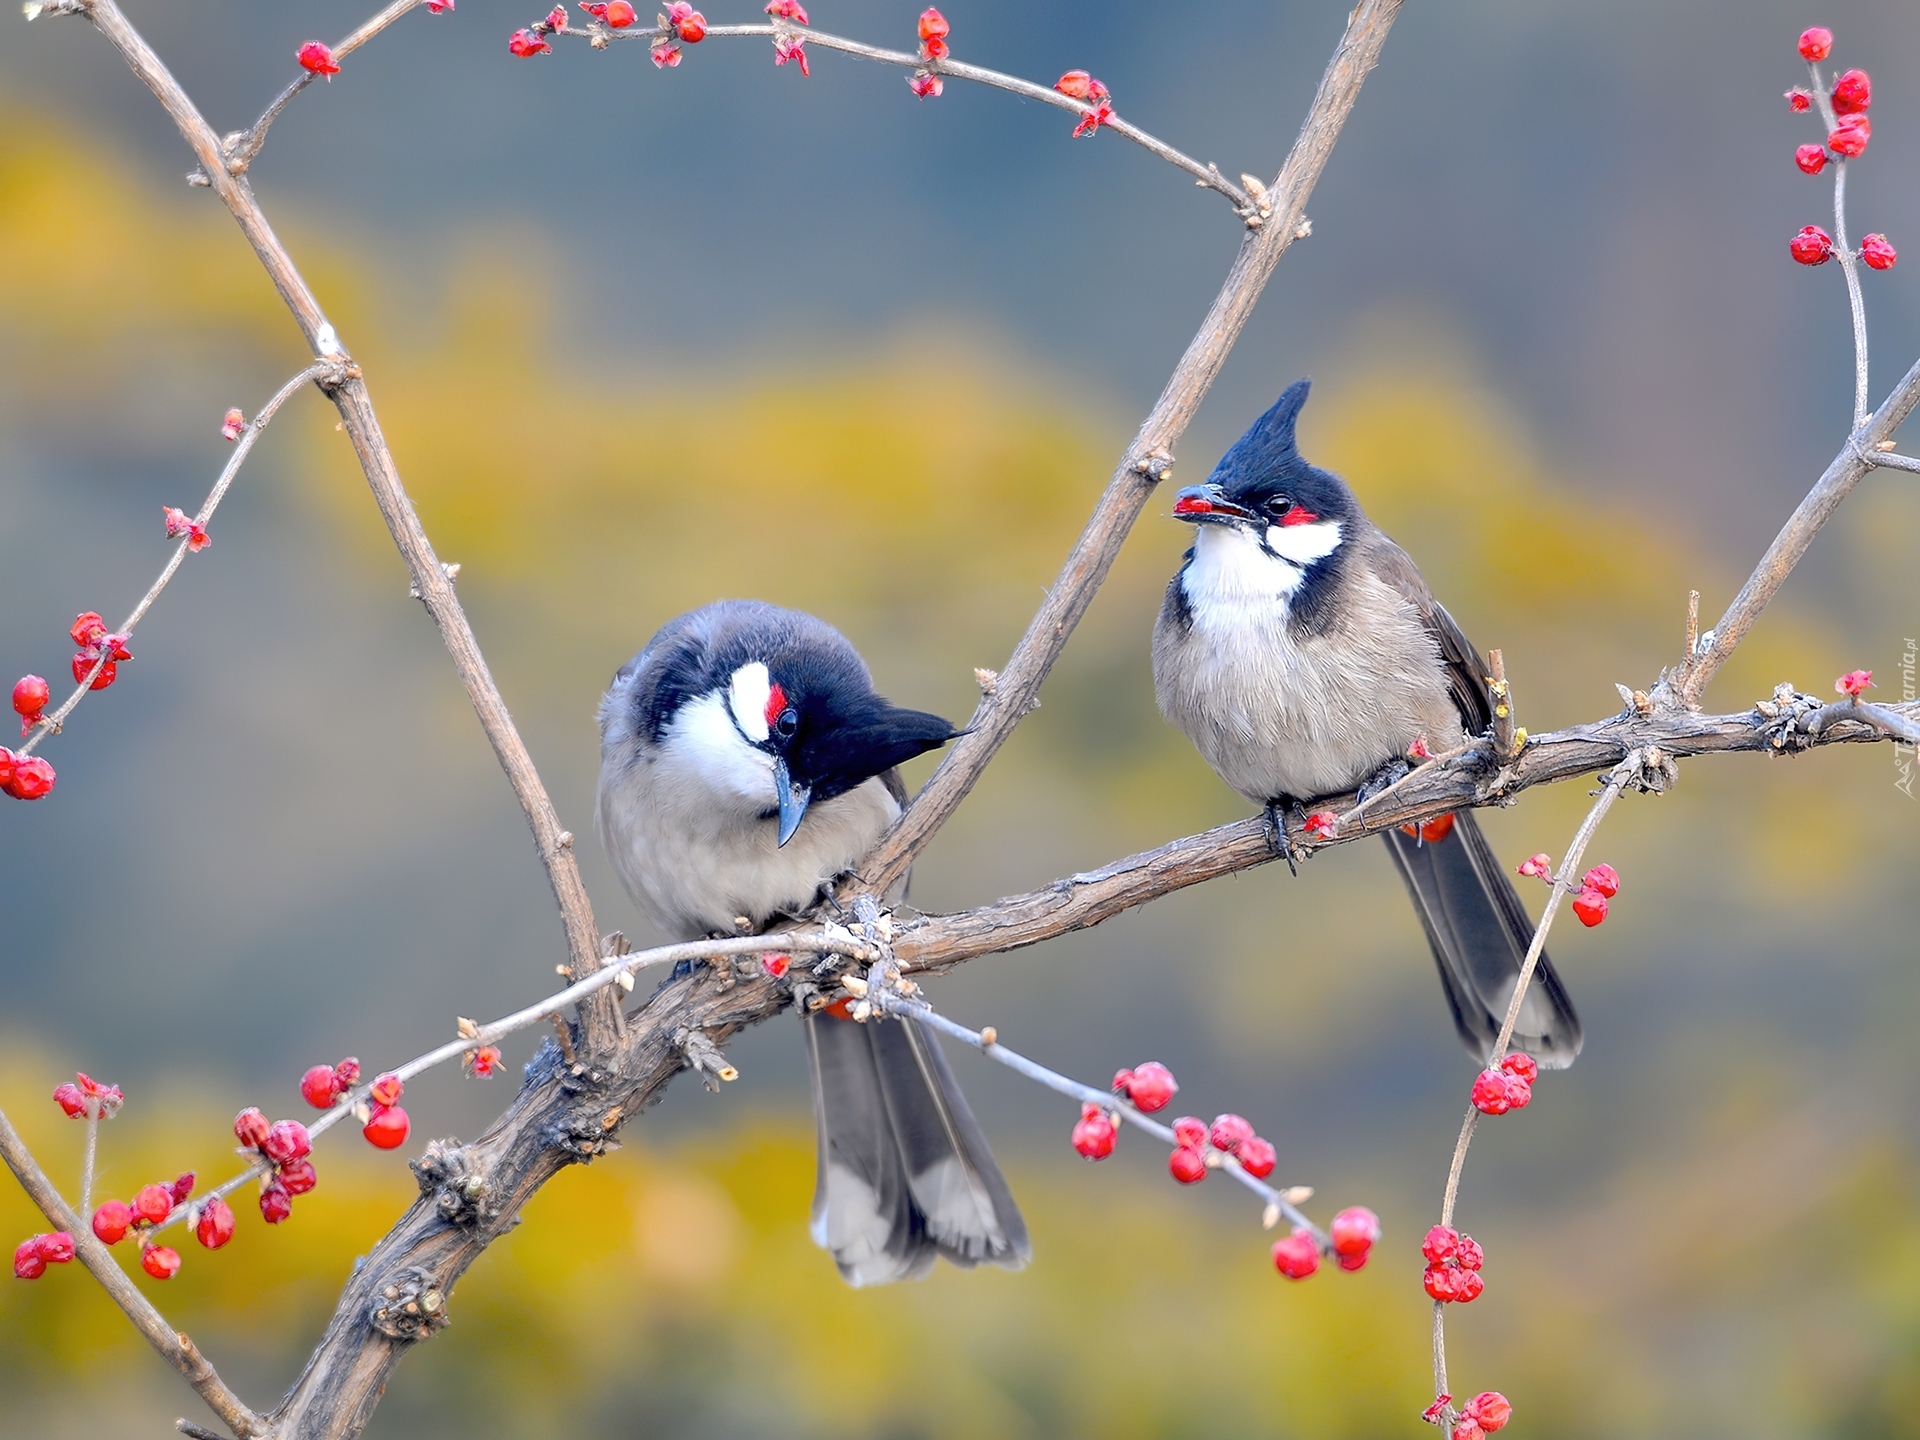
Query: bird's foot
x=1278, y=840
x=1387, y=776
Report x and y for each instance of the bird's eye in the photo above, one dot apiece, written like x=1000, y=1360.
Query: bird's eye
x=788, y=722
x=1278, y=505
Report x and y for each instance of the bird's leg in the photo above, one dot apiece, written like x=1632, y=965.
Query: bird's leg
x=1276, y=827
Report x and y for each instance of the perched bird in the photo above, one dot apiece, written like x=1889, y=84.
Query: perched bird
x=1303, y=654
x=745, y=763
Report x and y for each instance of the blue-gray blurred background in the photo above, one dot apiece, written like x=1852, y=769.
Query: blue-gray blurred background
x=646, y=338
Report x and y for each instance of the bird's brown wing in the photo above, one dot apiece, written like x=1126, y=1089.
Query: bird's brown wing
x=1466, y=670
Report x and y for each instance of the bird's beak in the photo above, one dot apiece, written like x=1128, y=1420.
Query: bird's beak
x=793, y=799
x=1207, y=504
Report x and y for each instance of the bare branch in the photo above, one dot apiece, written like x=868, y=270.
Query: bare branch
x=173, y=1345
x=554, y=842
x=1147, y=461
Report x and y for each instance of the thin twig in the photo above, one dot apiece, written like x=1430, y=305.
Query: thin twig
x=1086, y=1095
x=795, y=941
x=50, y=724
x=173, y=1345
x=86, y=1163
x=1208, y=175
x=1617, y=780
x=1892, y=461
x=1147, y=461
x=1866, y=712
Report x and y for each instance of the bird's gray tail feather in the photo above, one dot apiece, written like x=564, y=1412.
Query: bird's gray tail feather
x=1479, y=932
x=905, y=1173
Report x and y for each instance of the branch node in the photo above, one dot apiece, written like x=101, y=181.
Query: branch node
x=410, y=1307
x=704, y=1058
x=987, y=680
x=460, y=1192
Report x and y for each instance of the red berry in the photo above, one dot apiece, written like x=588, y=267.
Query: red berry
x=1257, y=1157
x=787, y=10
x=1189, y=1133
x=693, y=29
x=1228, y=1131
x=319, y=1087
x=556, y=18
x=1519, y=1093
x=1812, y=159
x=214, y=1228
x=1352, y=1262
x=153, y=1203
x=1523, y=1065
x=1490, y=1410
x=485, y=1061
x=87, y=628
x=1093, y=1135
x=275, y=1203
x=923, y=84
x=1297, y=1256
x=1591, y=907
x=619, y=14
x=112, y=1221
x=160, y=1261
x=1466, y=1430
x=1470, y=1256
x=298, y=1176
x=30, y=695
x=69, y=1099
x=1849, y=138
x=7, y=761
x=1603, y=878
x=666, y=55
x=182, y=1188
x=32, y=777
x=27, y=1261
x=934, y=49
x=933, y=25
x=1879, y=254
x=1812, y=246
x=1490, y=1093
x=287, y=1140
x=1852, y=93
x=1816, y=43
x=83, y=663
x=1354, y=1231
x=346, y=1074
x=1187, y=1165
x=232, y=424
x=776, y=965
x=387, y=1130
x=1150, y=1086
x=1322, y=824
x=317, y=58
x=386, y=1090
x=524, y=43
x=1537, y=865
x=1443, y=1283
x=1799, y=101
x=1442, y=1243
x=250, y=1128
x=55, y=1249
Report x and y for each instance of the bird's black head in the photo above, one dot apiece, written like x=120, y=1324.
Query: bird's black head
x=1262, y=486
x=772, y=707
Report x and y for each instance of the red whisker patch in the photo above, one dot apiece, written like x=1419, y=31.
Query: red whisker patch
x=1298, y=515
x=776, y=705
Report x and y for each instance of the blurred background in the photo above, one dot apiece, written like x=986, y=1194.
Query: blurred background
x=643, y=339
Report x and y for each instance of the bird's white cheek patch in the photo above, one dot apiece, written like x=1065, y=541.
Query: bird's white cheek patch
x=1304, y=544
x=748, y=694
x=704, y=738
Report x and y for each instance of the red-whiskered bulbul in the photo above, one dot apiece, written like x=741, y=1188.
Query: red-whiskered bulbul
x=1303, y=653
x=745, y=764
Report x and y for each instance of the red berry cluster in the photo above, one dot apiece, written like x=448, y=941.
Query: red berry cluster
x=1850, y=97
x=25, y=777
x=1854, y=683
x=934, y=30
x=1484, y=1413
x=682, y=20
x=88, y=1094
x=317, y=58
x=1230, y=1135
x=324, y=1084
x=90, y=633
x=1079, y=85
x=149, y=1208
x=1453, y=1265
x=1351, y=1238
x=285, y=1144
x=1599, y=885
x=387, y=1126
x=1147, y=1087
x=31, y=1257
x=1510, y=1087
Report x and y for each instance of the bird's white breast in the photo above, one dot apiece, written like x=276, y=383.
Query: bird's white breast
x=1278, y=713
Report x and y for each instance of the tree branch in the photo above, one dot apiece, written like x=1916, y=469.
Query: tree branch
x=1147, y=461
x=554, y=843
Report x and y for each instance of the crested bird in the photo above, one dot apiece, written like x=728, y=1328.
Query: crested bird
x=745, y=763
x=1304, y=654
